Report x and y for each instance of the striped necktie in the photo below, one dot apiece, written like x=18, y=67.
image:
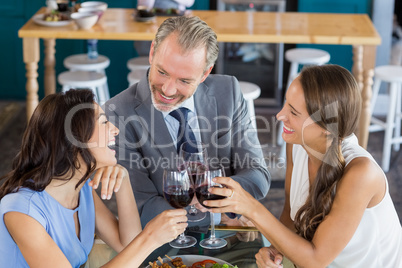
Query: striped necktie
x=185, y=131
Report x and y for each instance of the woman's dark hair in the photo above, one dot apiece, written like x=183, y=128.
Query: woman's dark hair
x=53, y=142
x=333, y=102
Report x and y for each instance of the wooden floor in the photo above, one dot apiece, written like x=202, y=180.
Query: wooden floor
x=12, y=125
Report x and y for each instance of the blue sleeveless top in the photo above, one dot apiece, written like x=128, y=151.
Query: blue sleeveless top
x=56, y=219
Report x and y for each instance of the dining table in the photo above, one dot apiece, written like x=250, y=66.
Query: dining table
x=238, y=27
x=242, y=245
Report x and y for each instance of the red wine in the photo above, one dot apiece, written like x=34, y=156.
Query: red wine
x=193, y=177
x=203, y=194
x=193, y=168
x=178, y=197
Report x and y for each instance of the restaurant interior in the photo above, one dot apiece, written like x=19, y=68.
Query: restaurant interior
x=262, y=64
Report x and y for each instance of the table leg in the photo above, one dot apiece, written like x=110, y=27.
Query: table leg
x=31, y=58
x=369, y=56
x=365, y=116
x=363, y=69
x=357, y=69
x=50, y=62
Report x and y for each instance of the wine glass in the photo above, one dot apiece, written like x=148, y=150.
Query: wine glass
x=191, y=156
x=178, y=191
x=203, y=183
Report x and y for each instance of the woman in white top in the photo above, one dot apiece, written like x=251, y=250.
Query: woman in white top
x=338, y=211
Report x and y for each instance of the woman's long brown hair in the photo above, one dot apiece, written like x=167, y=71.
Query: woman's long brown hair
x=333, y=102
x=47, y=151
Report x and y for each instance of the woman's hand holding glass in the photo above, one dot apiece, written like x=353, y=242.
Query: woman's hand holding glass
x=204, y=183
x=178, y=191
x=237, y=199
x=166, y=226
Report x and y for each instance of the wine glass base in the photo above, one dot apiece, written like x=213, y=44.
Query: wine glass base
x=187, y=242
x=213, y=243
x=195, y=217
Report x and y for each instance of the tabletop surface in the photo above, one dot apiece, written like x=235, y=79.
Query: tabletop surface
x=237, y=252
x=239, y=26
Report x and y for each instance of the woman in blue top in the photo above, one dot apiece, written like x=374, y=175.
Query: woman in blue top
x=48, y=206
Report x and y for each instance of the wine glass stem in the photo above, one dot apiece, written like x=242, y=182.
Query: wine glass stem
x=182, y=238
x=212, y=226
x=193, y=209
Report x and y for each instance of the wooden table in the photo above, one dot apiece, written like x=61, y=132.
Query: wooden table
x=250, y=27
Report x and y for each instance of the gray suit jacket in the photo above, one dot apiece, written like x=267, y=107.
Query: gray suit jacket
x=145, y=147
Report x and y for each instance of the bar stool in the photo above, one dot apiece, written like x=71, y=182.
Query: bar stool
x=138, y=63
x=81, y=62
x=250, y=93
x=84, y=79
x=304, y=56
x=138, y=68
x=297, y=57
x=391, y=74
x=135, y=77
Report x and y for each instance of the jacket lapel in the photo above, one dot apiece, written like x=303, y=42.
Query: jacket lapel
x=206, y=109
x=153, y=122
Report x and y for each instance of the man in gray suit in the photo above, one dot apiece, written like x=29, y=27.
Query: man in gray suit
x=182, y=56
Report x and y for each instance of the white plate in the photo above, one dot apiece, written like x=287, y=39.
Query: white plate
x=188, y=260
x=38, y=19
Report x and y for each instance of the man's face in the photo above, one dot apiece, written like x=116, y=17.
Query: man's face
x=175, y=75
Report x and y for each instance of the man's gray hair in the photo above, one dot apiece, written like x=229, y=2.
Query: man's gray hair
x=192, y=33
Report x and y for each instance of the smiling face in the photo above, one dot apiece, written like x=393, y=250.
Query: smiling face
x=298, y=127
x=103, y=140
x=175, y=74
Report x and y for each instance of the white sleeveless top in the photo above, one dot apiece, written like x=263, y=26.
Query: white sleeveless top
x=377, y=241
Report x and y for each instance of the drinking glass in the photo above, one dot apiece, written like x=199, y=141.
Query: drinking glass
x=178, y=191
x=203, y=183
x=62, y=5
x=191, y=160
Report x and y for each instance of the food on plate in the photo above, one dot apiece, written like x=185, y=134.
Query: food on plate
x=163, y=264
x=54, y=16
x=217, y=265
x=204, y=263
x=178, y=263
x=156, y=265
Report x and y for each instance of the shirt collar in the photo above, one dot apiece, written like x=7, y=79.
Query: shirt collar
x=189, y=104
